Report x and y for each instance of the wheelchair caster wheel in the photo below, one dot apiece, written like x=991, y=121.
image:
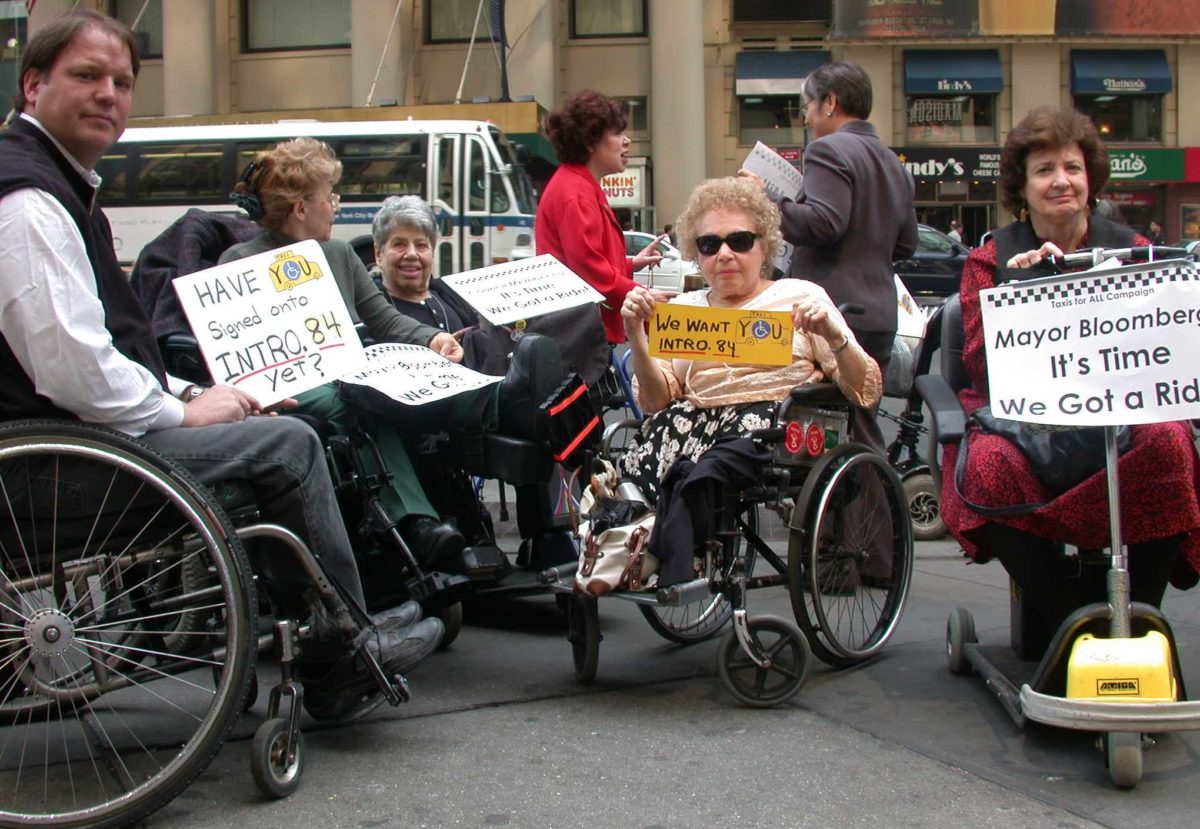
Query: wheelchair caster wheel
x=276, y=771
x=788, y=655
x=1123, y=755
x=960, y=630
x=452, y=620
x=924, y=507
x=584, y=619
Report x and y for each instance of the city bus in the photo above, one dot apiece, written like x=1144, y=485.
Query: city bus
x=467, y=170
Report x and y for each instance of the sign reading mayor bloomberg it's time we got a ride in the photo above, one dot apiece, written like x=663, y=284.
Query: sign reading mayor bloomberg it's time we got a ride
x=1105, y=347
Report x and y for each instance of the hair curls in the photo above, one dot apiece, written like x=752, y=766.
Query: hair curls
x=284, y=175
x=730, y=193
x=577, y=126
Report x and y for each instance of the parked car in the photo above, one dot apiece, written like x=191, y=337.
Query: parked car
x=935, y=269
x=667, y=274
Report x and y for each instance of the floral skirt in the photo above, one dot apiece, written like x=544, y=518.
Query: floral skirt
x=683, y=430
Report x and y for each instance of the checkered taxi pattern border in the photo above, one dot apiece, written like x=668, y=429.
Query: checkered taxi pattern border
x=1090, y=285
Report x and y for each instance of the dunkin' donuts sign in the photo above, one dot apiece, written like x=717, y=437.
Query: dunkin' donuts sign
x=626, y=189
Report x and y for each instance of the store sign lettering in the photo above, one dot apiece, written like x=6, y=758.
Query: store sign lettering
x=1128, y=166
x=1124, y=85
x=624, y=189
x=933, y=167
x=944, y=85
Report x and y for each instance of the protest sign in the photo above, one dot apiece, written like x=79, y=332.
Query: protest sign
x=783, y=180
x=726, y=335
x=522, y=290
x=273, y=324
x=413, y=374
x=1099, y=348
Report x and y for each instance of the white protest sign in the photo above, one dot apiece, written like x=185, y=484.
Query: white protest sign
x=413, y=374
x=1100, y=348
x=272, y=325
x=522, y=290
x=783, y=180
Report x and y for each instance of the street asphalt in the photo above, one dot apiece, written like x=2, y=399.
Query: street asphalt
x=500, y=733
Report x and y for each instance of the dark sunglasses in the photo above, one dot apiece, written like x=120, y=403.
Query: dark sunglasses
x=739, y=241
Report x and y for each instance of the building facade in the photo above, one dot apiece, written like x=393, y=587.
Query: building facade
x=703, y=80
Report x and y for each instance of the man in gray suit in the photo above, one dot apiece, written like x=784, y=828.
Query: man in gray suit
x=855, y=216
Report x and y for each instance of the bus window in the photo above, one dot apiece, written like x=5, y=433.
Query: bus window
x=522, y=187
x=180, y=171
x=246, y=154
x=382, y=166
x=445, y=170
x=113, y=169
x=476, y=255
x=476, y=176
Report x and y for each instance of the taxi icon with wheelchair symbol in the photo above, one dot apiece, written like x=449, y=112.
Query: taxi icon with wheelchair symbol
x=290, y=269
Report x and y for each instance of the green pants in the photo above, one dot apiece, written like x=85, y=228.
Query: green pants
x=386, y=421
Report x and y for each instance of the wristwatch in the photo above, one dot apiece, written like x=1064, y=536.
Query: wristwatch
x=192, y=392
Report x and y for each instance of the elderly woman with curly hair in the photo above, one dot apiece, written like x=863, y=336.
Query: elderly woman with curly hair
x=574, y=221
x=732, y=228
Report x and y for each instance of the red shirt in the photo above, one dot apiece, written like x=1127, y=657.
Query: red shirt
x=575, y=224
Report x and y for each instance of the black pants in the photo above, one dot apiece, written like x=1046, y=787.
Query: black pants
x=866, y=421
x=1056, y=586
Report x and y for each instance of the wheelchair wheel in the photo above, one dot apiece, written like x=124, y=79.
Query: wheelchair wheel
x=122, y=665
x=850, y=555
x=1123, y=755
x=760, y=687
x=702, y=620
x=276, y=770
x=960, y=630
x=452, y=621
x=584, y=620
x=923, y=507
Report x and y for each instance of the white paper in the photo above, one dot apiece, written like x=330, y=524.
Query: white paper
x=272, y=325
x=1108, y=347
x=523, y=289
x=414, y=375
x=783, y=180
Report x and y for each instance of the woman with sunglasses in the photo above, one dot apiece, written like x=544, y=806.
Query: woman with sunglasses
x=732, y=228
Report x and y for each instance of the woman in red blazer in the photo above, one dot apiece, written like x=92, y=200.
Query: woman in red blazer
x=574, y=221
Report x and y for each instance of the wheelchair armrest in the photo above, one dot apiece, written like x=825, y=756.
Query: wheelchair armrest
x=181, y=354
x=818, y=393
x=949, y=420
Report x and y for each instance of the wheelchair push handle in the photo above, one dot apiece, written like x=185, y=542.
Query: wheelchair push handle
x=1140, y=253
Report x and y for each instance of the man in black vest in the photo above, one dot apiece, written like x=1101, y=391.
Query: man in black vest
x=69, y=317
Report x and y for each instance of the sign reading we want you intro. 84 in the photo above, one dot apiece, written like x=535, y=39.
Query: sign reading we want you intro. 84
x=1105, y=347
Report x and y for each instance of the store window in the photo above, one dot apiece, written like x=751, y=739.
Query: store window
x=636, y=112
x=608, y=18
x=950, y=119
x=13, y=35
x=771, y=119
x=277, y=25
x=145, y=19
x=452, y=21
x=1122, y=91
x=950, y=95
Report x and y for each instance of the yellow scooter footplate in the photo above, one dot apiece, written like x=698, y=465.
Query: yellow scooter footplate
x=1121, y=670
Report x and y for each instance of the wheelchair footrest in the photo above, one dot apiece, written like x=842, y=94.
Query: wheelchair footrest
x=484, y=560
x=443, y=585
x=680, y=594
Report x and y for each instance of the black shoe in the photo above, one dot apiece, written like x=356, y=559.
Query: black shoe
x=398, y=617
x=535, y=372
x=431, y=542
x=346, y=690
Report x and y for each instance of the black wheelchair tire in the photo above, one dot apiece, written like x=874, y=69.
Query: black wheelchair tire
x=759, y=687
x=820, y=593
x=183, y=513
x=275, y=775
x=924, y=507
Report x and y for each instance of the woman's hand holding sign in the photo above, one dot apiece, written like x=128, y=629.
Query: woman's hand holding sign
x=448, y=346
x=636, y=311
x=1031, y=257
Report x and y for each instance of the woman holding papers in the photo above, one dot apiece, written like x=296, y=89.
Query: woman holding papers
x=574, y=221
x=732, y=229
x=1052, y=166
x=856, y=214
x=289, y=191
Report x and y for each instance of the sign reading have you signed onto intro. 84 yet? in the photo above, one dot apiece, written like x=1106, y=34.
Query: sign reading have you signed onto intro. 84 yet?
x=272, y=325
x=723, y=335
x=1101, y=348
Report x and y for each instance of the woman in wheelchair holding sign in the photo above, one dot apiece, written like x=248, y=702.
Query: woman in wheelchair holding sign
x=732, y=229
x=1052, y=166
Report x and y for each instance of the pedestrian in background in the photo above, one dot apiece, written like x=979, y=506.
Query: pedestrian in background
x=1156, y=235
x=955, y=230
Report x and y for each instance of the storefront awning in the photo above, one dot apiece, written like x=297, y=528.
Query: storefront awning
x=950, y=71
x=1119, y=71
x=774, y=73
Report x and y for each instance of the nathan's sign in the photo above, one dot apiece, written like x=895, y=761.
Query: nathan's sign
x=273, y=324
x=1106, y=347
x=725, y=335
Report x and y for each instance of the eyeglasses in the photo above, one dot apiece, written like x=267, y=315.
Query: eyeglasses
x=739, y=241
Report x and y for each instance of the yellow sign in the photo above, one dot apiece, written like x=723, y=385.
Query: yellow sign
x=291, y=269
x=724, y=335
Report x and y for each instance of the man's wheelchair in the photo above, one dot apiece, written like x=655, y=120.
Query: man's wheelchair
x=847, y=569
x=129, y=629
x=1139, y=688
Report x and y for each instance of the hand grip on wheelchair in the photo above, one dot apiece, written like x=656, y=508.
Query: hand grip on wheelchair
x=1139, y=253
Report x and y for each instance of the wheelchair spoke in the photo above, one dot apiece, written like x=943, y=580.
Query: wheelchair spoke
x=109, y=627
x=156, y=573
x=130, y=679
